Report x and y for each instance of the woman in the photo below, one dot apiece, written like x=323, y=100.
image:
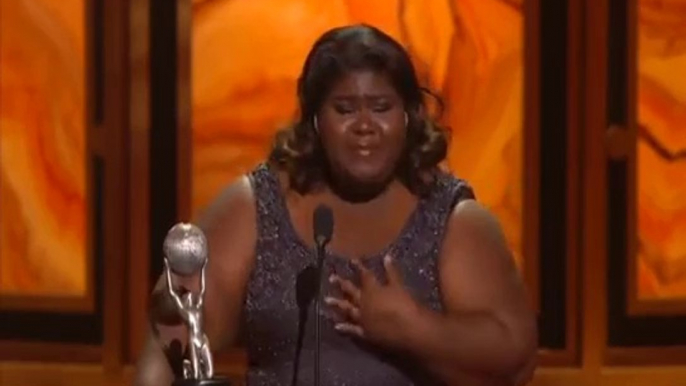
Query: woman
x=422, y=288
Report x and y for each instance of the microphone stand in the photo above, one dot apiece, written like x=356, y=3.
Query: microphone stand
x=321, y=253
x=323, y=230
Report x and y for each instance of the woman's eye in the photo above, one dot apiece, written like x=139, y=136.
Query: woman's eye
x=343, y=109
x=381, y=108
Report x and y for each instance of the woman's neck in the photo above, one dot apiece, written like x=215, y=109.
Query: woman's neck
x=392, y=193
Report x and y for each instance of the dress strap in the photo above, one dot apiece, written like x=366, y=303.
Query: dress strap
x=266, y=188
x=447, y=193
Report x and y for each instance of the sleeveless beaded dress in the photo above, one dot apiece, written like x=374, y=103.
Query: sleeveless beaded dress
x=275, y=316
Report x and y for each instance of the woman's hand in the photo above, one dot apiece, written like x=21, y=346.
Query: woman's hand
x=380, y=313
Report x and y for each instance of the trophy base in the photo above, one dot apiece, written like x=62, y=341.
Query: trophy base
x=219, y=381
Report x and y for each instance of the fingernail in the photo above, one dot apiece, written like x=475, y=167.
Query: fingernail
x=387, y=259
x=328, y=300
x=332, y=278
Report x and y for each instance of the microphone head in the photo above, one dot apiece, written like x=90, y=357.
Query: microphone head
x=323, y=224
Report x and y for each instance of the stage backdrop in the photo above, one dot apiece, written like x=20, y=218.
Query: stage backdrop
x=661, y=166
x=247, y=55
x=42, y=149
x=246, y=58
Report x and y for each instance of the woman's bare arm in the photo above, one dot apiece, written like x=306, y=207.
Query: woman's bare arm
x=488, y=334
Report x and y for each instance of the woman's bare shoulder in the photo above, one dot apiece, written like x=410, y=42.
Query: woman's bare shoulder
x=238, y=196
x=231, y=216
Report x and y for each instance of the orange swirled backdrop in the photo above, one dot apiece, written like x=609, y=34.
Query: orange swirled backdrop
x=662, y=149
x=247, y=56
x=42, y=148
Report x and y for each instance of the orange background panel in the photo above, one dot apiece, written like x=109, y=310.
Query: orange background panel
x=247, y=56
x=662, y=149
x=42, y=148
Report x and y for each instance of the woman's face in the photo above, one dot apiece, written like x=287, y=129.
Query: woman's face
x=362, y=127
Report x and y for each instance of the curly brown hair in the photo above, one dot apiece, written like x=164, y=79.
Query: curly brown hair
x=298, y=149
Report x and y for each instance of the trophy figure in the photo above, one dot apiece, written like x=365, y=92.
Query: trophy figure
x=185, y=254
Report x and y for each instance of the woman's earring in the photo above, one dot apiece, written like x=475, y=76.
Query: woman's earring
x=407, y=119
x=316, y=125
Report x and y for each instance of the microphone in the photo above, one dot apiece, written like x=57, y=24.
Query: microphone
x=305, y=284
x=323, y=225
x=323, y=231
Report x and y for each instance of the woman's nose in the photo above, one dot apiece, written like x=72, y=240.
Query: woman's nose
x=365, y=124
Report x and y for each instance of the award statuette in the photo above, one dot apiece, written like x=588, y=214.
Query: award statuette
x=185, y=254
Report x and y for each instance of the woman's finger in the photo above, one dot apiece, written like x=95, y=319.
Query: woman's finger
x=349, y=328
x=392, y=273
x=346, y=307
x=349, y=289
x=367, y=277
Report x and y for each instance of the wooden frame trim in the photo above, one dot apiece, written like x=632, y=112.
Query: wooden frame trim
x=646, y=356
x=593, y=232
x=184, y=138
x=81, y=304
x=116, y=201
x=62, y=374
x=617, y=376
x=558, y=175
x=633, y=302
x=48, y=352
x=94, y=19
x=139, y=176
x=67, y=374
x=652, y=307
x=641, y=376
x=557, y=358
x=531, y=153
x=575, y=57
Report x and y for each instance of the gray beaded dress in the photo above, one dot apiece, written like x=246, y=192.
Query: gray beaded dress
x=276, y=312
